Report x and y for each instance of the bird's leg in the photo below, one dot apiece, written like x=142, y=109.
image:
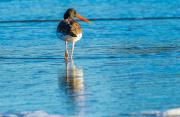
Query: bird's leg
x=66, y=51
x=72, y=50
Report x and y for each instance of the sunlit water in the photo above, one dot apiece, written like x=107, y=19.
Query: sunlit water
x=120, y=68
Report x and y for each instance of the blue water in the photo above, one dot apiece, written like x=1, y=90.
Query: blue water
x=119, y=67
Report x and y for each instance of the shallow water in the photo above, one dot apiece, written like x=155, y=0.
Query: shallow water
x=119, y=67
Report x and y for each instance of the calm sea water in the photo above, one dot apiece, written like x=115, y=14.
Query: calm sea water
x=119, y=67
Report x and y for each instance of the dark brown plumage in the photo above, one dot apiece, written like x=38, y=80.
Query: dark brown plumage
x=69, y=27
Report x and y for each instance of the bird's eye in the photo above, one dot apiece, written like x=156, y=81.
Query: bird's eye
x=75, y=13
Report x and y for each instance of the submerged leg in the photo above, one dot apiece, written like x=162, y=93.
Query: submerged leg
x=66, y=51
x=72, y=50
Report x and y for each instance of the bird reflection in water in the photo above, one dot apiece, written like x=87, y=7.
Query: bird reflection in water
x=72, y=82
x=74, y=78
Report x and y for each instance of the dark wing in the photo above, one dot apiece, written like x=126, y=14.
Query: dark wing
x=69, y=28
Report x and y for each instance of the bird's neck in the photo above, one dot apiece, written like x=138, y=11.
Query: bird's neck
x=69, y=20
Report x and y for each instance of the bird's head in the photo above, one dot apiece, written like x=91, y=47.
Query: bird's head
x=71, y=13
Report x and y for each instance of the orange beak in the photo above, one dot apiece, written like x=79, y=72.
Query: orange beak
x=82, y=18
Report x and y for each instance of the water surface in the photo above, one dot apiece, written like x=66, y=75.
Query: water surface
x=119, y=67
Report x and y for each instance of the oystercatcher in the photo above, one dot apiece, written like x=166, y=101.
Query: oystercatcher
x=69, y=30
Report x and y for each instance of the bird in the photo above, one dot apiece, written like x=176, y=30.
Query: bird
x=69, y=30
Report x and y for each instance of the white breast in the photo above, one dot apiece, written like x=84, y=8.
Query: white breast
x=69, y=38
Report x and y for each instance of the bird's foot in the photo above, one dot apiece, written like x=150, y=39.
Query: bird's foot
x=66, y=56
